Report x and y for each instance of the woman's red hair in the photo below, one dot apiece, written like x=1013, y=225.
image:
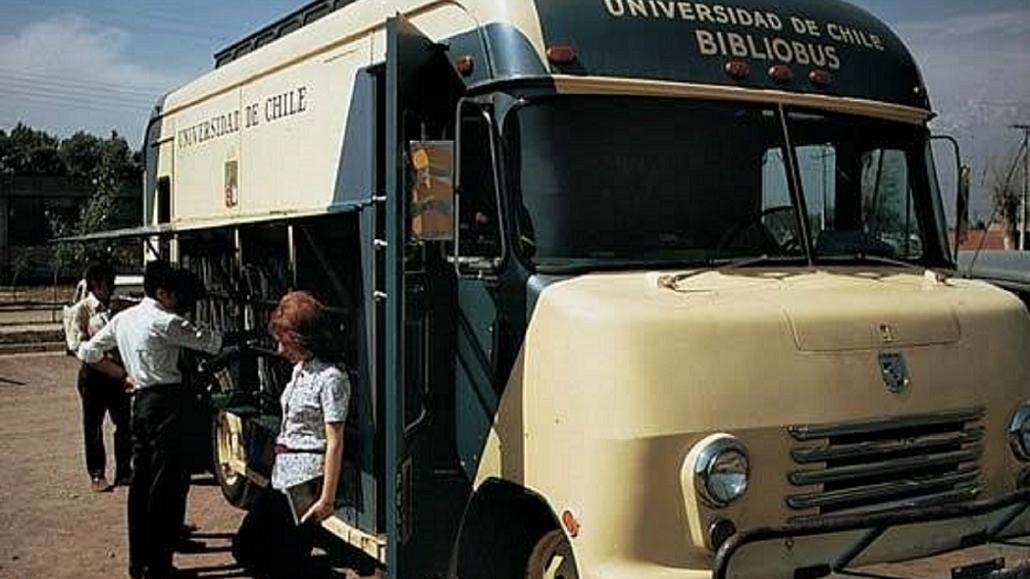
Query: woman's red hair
x=300, y=320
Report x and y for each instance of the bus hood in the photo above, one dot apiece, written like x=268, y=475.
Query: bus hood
x=797, y=346
x=621, y=375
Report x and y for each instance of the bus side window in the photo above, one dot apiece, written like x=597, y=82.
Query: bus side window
x=478, y=220
x=164, y=200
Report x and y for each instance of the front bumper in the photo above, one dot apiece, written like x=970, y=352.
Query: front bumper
x=1001, y=513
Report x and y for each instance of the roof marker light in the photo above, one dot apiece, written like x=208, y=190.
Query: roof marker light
x=781, y=72
x=561, y=54
x=820, y=77
x=738, y=69
x=465, y=65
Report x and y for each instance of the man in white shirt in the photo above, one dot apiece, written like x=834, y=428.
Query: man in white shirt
x=101, y=394
x=150, y=337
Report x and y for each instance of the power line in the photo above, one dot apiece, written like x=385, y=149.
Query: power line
x=50, y=86
x=74, y=97
x=80, y=106
x=140, y=88
x=72, y=103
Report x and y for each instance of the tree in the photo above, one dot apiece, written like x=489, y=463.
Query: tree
x=27, y=151
x=1007, y=198
x=104, y=165
x=19, y=266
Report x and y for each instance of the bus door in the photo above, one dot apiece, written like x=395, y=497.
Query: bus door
x=422, y=506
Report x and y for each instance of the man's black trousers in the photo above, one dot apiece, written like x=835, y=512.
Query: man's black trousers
x=160, y=479
x=102, y=395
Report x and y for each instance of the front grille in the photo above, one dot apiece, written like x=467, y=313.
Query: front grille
x=885, y=464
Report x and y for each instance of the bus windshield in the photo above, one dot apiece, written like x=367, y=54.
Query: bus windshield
x=624, y=181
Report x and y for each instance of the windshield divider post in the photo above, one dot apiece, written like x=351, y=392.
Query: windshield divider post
x=800, y=208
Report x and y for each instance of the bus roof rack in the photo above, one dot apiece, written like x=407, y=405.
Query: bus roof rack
x=292, y=22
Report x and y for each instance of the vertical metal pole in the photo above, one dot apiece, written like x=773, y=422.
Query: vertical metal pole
x=5, y=231
x=393, y=340
x=291, y=248
x=1026, y=184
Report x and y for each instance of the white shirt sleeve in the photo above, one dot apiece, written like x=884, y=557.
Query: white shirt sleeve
x=182, y=332
x=335, y=395
x=104, y=341
x=75, y=332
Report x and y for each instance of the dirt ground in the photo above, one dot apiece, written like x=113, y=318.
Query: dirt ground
x=51, y=525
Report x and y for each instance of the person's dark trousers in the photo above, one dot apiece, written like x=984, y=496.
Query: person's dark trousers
x=158, y=479
x=269, y=543
x=104, y=395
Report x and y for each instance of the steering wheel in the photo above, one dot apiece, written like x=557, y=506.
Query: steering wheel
x=775, y=226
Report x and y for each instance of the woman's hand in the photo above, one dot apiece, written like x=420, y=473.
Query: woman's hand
x=318, y=512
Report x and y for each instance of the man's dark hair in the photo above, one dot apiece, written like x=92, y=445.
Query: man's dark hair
x=97, y=273
x=188, y=290
x=159, y=274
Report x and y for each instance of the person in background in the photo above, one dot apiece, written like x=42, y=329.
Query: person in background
x=276, y=536
x=101, y=394
x=151, y=337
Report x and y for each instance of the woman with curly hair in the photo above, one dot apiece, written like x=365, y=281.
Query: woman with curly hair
x=277, y=537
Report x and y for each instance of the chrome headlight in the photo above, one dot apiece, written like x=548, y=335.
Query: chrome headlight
x=1019, y=433
x=721, y=470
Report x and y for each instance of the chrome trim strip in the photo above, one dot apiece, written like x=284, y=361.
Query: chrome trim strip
x=812, y=454
x=885, y=490
x=960, y=495
x=886, y=467
x=809, y=432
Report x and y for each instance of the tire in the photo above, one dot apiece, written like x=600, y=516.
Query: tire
x=552, y=558
x=227, y=444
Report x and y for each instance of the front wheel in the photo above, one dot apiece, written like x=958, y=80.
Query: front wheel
x=230, y=459
x=552, y=558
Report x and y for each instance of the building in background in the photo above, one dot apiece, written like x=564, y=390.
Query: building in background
x=26, y=206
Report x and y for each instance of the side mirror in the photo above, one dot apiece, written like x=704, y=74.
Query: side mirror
x=432, y=190
x=953, y=179
x=479, y=242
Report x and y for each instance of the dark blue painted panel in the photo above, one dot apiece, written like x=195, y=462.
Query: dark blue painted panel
x=693, y=41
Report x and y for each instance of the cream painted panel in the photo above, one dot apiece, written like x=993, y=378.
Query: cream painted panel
x=294, y=130
x=207, y=137
x=436, y=22
x=444, y=21
x=620, y=378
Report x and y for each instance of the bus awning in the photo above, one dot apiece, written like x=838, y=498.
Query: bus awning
x=178, y=227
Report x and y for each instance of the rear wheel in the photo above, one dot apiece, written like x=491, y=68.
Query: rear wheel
x=230, y=459
x=552, y=558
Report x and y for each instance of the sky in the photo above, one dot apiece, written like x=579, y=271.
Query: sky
x=99, y=65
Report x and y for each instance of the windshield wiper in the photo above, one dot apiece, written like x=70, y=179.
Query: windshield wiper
x=673, y=281
x=876, y=259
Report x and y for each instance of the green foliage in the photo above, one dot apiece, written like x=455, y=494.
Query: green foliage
x=19, y=266
x=101, y=165
x=88, y=158
x=82, y=157
x=26, y=151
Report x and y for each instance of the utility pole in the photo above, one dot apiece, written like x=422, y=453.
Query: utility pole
x=1026, y=185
